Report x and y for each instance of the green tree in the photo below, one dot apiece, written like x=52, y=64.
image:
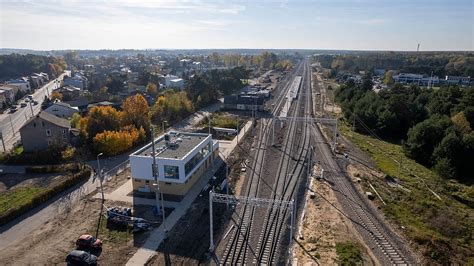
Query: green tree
x=424, y=137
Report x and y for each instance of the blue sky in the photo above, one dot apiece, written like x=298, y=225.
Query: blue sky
x=317, y=24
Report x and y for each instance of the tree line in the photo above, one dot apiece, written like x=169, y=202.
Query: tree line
x=17, y=65
x=201, y=90
x=440, y=63
x=434, y=126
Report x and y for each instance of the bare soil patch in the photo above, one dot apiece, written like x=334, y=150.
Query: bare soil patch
x=324, y=225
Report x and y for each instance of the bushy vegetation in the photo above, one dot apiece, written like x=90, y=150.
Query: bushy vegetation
x=348, y=253
x=207, y=88
x=111, y=131
x=15, y=202
x=171, y=106
x=440, y=63
x=435, y=126
x=16, y=65
x=55, y=154
x=225, y=120
x=440, y=228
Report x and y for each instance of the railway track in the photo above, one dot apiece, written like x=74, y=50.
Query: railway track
x=295, y=150
x=238, y=246
x=386, y=245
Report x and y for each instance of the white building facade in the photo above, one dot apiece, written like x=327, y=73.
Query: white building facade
x=179, y=157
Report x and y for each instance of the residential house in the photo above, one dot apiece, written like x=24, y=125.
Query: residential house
x=44, y=130
x=176, y=83
x=81, y=103
x=78, y=81
x=36, y=81
x=69, y=92
x=61, y=109
x=22, y=83
x=9, y=92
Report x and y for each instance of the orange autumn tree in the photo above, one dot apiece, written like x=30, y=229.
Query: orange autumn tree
x=136, y=112
x=111, y=131
x=116, y=142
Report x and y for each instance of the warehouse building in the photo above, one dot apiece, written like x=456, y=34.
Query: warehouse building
x=182, y=158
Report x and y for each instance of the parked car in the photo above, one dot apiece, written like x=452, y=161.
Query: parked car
x=30, y=97
x=13, y=109
x=23, y=105
x=35, y=102
x=80, y=257
x=88, y=242
x=27, y=100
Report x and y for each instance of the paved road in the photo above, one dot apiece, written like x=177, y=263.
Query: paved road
x=11, y=123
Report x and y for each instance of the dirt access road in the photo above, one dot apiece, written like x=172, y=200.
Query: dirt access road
x=55, y=238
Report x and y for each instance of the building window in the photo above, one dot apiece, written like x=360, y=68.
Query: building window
x=191, y=164
x=48, y=132
x=171, y=171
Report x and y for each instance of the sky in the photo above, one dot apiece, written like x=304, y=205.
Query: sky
x=184, y=24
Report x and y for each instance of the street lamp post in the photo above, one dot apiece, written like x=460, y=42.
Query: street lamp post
x=100, y=176
x=162, y=127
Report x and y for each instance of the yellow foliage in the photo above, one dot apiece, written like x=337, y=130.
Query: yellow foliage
x=116, y=142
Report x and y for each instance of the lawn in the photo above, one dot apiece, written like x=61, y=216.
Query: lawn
x=17, y=197
x=435, y=213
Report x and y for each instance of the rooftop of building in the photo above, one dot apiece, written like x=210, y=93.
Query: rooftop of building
x=177, y=147
x=61, y=122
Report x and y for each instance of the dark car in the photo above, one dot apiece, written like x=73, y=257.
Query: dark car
x=35, y=102
x=23, y=105
x=88, y=242
x=79, y=257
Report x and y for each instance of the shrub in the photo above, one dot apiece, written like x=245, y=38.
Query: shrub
x=348, y=253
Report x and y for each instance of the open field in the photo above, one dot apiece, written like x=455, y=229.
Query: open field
x=435, y=214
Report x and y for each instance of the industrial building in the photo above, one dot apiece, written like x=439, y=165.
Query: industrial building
x=244, y=102
x=181, y=158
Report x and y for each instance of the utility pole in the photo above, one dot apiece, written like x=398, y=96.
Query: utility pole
x=3, y=142
x=100, y=176
x=209, y=123
x=211, y=226
x=335, y=137
x=157, y=188
x=11, y=124
x=31, y=108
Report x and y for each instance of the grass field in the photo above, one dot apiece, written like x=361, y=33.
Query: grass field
x=17, y=197
x=436, y=214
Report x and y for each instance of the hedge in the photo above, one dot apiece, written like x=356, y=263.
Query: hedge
x=53, y=168
x=67, y=182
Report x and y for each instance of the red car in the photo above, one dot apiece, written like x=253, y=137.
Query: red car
x=88, y=242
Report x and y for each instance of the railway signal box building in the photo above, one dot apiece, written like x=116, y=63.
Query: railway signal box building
x=181, y=160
